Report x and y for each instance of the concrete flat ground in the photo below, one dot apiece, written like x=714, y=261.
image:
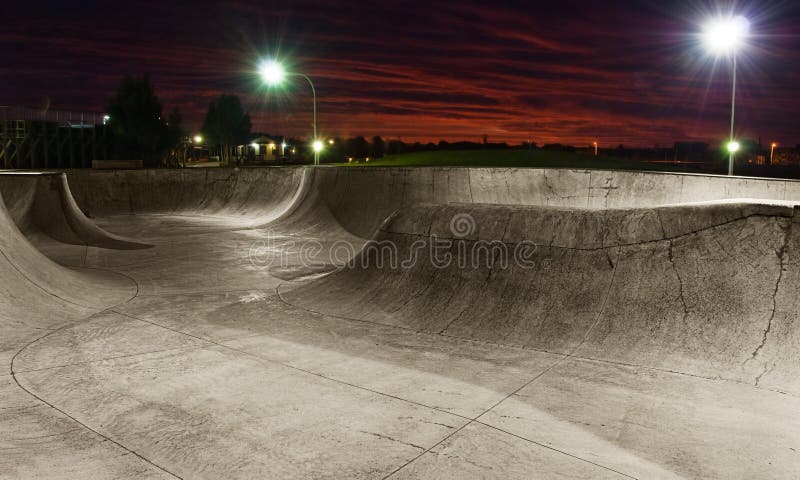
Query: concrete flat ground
x=643, y=341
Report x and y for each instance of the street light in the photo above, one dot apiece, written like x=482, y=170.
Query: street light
x=273, y=74
x=724, y=37
x=772, y=152
x=595, y=148
x=198, y=139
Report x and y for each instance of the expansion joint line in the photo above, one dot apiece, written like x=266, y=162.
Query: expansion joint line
x=67, y=325
x=555, y=364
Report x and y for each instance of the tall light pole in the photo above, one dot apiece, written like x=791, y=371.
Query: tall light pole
x=273, y=73
x=772, y=152
x=724, y=37
x=595, y=148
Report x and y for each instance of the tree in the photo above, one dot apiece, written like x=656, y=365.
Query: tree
x=139, y=131
x=357, y=147
x=395, y=146
x=378, y=147
x=226, y=125
x=178, y=150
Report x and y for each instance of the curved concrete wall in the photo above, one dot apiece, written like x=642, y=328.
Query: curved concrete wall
x=361, y=198
x=698, y=290
x=244, y=193
x=42, y=203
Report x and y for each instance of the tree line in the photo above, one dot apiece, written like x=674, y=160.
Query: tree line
x=141, y=131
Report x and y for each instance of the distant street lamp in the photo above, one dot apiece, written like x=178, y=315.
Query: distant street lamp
x=273, y=73
x=772, y=152
x=595, y=148
x=198, y=139
x=724, y=36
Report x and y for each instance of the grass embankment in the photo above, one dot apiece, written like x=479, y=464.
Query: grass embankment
x=515, y=158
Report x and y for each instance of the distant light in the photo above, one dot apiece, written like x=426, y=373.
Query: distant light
x=367, y=159
x=318, y=146
x=106, y=119
x=774, y=145
x=198, y=139
x=734, y=146
x=283, y=145
x=330, y=142
x=254, y=145
x=724, y=36
x=272, y=72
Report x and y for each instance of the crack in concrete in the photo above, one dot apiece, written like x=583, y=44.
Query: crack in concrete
x=553, y=191
x=661, y=223
x=486, y=281
x=392, y=439
x=671, y=257
x=610, y=246
x=781, y=254
x=39, y=437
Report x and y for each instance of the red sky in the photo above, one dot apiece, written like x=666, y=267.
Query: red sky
x=572, y=71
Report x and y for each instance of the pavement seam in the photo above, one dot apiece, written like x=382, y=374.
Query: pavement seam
x=105, y=359
x=555, y=364
x=67, y=325
x=26, y=277
x=130, y=355
x=63, y=412
x=530, y=349
x=286, y=365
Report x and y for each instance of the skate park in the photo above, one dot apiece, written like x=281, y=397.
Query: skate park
x=246, y=323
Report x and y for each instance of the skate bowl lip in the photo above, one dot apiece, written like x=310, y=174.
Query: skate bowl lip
x=398, y=167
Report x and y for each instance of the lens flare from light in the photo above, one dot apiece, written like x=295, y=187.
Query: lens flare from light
x=272, y=72
x=724, y=36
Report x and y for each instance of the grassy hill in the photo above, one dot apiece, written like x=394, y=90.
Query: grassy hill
x=515, y=158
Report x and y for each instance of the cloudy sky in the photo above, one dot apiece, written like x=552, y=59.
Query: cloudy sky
x=570, y=71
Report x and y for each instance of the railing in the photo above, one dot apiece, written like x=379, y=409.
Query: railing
x=52, y=116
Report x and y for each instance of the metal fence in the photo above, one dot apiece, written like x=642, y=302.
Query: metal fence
x=52, y=116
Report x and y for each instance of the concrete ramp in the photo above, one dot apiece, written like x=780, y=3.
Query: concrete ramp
x=42, y=204
x=705, y=290
x=206, y=199
x=510, y=323
x=37, y=293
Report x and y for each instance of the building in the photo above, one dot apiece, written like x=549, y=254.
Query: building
x=789, y=157
x=31, y=138
x=264, y=149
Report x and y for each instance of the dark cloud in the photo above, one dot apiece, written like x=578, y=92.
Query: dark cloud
x=570, y=71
